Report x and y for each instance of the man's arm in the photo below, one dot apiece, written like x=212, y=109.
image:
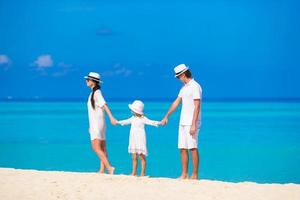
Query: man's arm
x=197, y=105
x=172, y=108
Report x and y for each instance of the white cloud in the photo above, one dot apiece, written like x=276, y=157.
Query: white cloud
x=118, y=70
x=141, y=73
x=5, y=62
x=45, y=66
x=63, y=69
x=43, y=61
x=123, y=71
x=64, y=65
x=58, y=74
x=106, y=32
x=4, y=59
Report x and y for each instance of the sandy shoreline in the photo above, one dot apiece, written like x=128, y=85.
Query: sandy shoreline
x=31, y=184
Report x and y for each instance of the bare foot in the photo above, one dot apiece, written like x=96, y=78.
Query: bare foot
x=142, y=174
x=182, y=177
x=111, y=170
x=133, y=174
x=194, y=177
x=101, y=171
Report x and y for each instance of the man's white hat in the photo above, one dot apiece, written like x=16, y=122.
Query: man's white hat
x=137, y=106
x=180, y=69
x=94, y=76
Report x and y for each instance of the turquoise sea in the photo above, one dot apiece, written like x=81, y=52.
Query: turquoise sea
x=239, y=141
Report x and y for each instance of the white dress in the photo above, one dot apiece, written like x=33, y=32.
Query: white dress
x=97, y=125
x=137, y=137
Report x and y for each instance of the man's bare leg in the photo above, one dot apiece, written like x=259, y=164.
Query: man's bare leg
x=184, y=163
x=195, y=160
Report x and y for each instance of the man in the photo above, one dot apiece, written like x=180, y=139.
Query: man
x=190, y=119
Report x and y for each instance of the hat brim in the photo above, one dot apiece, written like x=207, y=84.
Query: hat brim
x=86, y=77
x=176, y=75
x=134, y=110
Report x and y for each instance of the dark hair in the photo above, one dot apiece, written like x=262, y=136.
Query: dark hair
x=188, y=73
x=97, y=87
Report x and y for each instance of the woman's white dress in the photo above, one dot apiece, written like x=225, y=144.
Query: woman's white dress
x=97, y=125
x=137, y=137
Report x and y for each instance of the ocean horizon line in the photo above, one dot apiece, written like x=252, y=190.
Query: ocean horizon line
x=81, y=99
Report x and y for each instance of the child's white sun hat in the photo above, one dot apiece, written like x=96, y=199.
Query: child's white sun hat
x=137, y=106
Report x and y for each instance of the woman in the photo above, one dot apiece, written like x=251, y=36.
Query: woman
x=97, y=128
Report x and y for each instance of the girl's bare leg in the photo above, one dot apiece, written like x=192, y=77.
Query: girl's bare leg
x=143, y=163
x=134, y=164
x=96, y=145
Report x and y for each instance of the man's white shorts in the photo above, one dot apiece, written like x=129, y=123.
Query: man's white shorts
x=185, y=139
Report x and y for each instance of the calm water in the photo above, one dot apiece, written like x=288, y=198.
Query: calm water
x=238, y=141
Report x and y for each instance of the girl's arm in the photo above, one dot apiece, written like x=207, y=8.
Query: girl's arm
x=113, y=121
x=125, y=122
x=151, y=122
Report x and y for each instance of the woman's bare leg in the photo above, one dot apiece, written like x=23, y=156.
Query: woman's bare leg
x=143, y=164
x=134, y=164
x=96, y=145
x=103, y=148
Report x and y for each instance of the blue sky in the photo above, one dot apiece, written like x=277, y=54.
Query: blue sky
x=235, y=49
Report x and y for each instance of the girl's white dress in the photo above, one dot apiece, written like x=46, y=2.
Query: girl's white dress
x=137, y=137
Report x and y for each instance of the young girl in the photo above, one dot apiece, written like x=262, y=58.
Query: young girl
x=137, y=139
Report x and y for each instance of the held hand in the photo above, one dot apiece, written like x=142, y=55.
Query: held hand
x=159, y=124
x=113, y=121
x=164, y=121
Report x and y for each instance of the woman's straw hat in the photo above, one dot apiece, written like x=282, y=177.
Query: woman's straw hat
x=94, y=76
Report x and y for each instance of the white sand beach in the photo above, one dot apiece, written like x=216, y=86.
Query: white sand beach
x=32, y=184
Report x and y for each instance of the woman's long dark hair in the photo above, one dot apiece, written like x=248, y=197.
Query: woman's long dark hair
x=97, y=86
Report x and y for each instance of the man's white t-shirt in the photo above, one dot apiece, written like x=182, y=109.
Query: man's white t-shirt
x=188, y=93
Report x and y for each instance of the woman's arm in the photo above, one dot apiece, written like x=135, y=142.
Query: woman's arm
x=173, y=107
x=113, y=121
